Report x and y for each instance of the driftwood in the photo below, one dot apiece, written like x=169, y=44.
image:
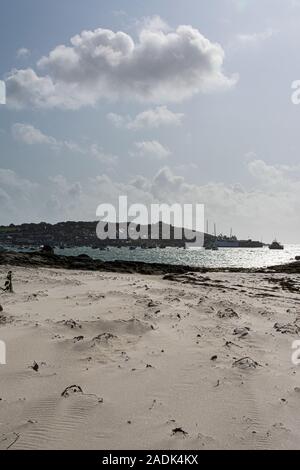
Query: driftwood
x=8, y=287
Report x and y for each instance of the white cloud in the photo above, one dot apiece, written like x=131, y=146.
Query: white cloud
x=30, y=135
x=23, y=53
x=103, y=157
x=153, y=23
x=151, y=118
x=255, y=38
x=117, y=120
x=150, y=148
x=163, y=65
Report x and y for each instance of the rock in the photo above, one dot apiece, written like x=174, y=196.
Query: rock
x=47, y=250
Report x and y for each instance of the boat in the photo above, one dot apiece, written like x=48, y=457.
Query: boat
x=275, y=245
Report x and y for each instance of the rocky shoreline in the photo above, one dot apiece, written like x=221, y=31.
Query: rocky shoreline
x=85, y=263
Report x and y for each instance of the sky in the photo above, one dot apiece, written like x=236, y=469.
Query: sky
x=166, y=101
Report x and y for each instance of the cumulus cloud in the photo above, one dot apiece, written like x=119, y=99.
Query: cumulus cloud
x=150, y=149
x=30, y=135
x=151, y=118
x=162, y=65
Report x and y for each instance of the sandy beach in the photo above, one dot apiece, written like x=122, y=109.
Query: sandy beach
x=183, y=361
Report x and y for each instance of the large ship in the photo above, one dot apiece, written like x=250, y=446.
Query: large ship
x=227, y=242
x=231, y=241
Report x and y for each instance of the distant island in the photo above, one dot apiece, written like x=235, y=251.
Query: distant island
x=72, y=234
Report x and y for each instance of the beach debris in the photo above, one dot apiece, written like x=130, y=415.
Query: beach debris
x=245, y=363
x=179, y=431
x=78, y=338
x=149, y=366
x=227, y=313
x=16, y=438
x=230, y=343
x=214, y=358
x=153, y=404
x=8, y=287
x=4, y=319
x=104, y=337
x=35, y=366
x=1, y=308
x=287, y=328
x=70, y=390
x=71, y=323
x=241, y=332
x=217, y=384
x=286, y=283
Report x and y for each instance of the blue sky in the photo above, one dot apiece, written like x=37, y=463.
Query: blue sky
x=165, y=101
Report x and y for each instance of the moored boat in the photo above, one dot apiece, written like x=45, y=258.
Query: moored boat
x=275, y=245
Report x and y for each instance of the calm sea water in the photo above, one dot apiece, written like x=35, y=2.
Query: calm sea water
x=224, y=257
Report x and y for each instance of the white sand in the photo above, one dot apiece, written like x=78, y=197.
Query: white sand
x=155, y=322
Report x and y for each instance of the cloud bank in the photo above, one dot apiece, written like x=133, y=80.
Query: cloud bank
x=267, y=207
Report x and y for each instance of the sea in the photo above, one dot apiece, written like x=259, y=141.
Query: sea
x=224, y=257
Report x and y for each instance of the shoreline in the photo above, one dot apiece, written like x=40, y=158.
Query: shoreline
x=86, y=263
